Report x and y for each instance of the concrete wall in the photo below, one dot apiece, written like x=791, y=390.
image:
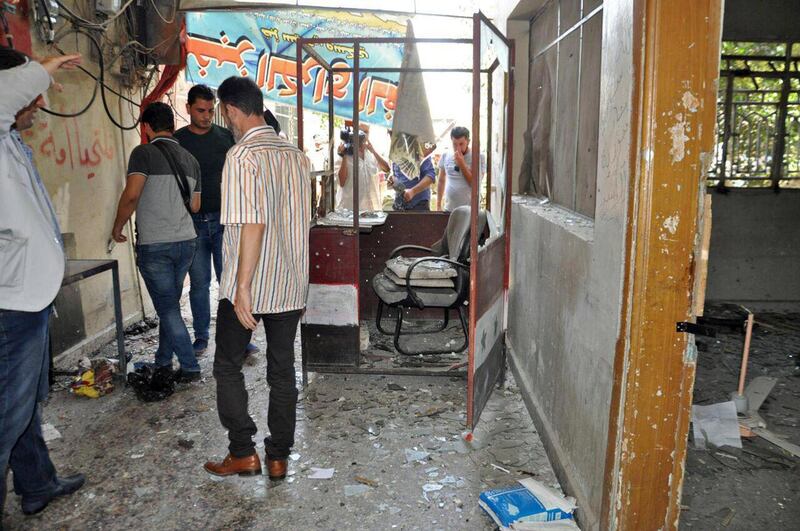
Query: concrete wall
x=754, y=258
x=566, y=288
x=83, y=162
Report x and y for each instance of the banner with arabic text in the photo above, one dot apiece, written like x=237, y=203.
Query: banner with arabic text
x=261, y=45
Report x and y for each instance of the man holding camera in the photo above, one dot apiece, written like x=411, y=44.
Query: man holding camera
x=369, y=190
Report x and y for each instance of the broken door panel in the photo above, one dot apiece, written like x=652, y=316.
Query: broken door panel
x=489, y=252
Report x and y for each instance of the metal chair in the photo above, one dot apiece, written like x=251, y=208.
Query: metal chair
x=452, y=249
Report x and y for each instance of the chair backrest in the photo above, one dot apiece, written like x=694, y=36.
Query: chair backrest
x=455, y=241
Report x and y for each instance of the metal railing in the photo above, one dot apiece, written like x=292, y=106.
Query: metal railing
x=758, y=122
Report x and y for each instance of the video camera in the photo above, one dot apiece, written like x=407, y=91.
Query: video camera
x=346, y=135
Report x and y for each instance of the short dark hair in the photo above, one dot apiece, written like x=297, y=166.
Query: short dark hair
x=272, y=121
x=9, y=58
x=200, y=91
x=159, y=117
x=459, y=132
x=242, y=93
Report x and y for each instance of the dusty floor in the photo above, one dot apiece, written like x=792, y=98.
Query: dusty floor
x=401, y=435
x=757, y=487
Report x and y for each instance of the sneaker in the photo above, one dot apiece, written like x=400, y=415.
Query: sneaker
x=182, y=376
x=200, y=346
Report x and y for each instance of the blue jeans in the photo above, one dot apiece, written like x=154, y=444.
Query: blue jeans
x=163, y=267
x=209, y=248
x=24, y=363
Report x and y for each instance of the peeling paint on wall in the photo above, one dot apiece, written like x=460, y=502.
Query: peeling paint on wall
x=690, y=101
x=671, y=223
x=679, y=139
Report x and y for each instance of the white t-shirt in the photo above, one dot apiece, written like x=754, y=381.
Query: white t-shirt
x=368, y=186
x=457, y=191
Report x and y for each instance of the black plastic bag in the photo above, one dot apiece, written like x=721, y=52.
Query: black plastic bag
x=152, y=384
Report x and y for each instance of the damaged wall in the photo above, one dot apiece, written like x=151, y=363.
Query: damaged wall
x=755, y=248
x=83, y=161
x=566, y=287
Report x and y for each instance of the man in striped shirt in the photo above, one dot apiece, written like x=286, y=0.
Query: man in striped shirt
x=266, y=210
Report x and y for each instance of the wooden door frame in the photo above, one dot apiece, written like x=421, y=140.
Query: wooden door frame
x=676, y=65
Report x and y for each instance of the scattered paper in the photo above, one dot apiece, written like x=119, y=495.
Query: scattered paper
x=50, y=433
x=355, y=490
x=432, y=487
x=416, y=455
x=321, y=473
x=717, y=425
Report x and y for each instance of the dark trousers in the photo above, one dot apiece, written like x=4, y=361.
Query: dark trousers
x=401, y=205
x=232, y=339
x=209, y=250
x=24, y=362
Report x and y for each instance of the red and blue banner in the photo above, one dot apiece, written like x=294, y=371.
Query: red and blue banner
x=262, y=45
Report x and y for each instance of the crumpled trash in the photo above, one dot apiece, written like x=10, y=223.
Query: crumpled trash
x=95, y=378
x=152, y=384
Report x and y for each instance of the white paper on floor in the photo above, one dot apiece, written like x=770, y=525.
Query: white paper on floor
x=321, y=473
x=717, y=425
x=50, y=433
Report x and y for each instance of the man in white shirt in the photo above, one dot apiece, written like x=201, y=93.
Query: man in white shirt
x=368, y=186
x=454, y=188
x=31, y=270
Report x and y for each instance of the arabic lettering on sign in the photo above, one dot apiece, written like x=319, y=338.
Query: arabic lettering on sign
x=264, y=49
x=68, y=146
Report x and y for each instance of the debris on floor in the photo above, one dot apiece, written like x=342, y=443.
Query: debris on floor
x=527, y=501
x=50, y=433
x=358, y=425
x=152, y=384
x=717, y=425
x=761, y=479
x=95, y=378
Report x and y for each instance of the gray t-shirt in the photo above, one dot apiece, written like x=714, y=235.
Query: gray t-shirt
x=457, y=191
x=161, y=216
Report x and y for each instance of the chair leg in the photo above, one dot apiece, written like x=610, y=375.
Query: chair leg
x=379, y=317
x=397, y=328
x=464, y=328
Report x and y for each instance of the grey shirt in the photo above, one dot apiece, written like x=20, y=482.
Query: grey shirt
x=161, y=216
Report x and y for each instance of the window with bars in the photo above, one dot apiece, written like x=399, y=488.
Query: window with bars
x=758, y=117
x=560, y=157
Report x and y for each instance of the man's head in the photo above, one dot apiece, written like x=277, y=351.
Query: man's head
x=200, y=106
x=460, y=137
x=158, y=119
x=242, y=104
x=10, y=58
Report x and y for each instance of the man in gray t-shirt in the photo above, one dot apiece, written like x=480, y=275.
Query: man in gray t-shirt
x=454, y=188
x=162, y=187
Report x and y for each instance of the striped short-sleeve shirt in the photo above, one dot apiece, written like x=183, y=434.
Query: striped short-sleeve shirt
x=266, y=181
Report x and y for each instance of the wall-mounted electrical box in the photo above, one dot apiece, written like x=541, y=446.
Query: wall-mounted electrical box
x=108, y=7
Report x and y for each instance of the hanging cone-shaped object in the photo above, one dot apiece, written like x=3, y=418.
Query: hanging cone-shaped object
x=412, y=127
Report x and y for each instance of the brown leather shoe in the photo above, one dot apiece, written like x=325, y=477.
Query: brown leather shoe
x=276, y=468
x=244, y=466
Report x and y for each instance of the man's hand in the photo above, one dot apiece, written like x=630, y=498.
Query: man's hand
x=408, y=195
x=68, y=62
x=116, y=234
x=243, y=306
x=458, y=157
